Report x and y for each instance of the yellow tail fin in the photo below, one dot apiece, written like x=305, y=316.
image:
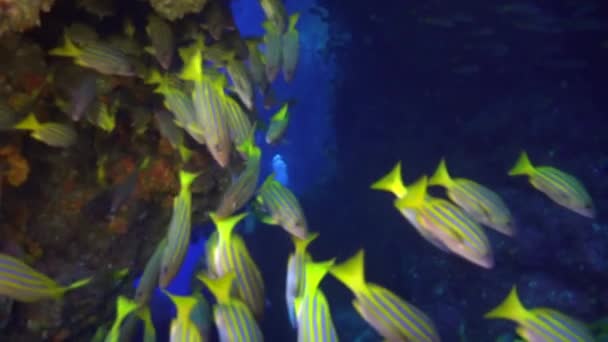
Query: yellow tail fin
x=351, y=272
x=30, y=123
x=315, y=271
x=220, y=287
x=392, y=182
x=301, y=244
x=441, y=176
x=225, y=225
x=416, y=195
x=67, y=50
x=523, y=166
x=511, y=308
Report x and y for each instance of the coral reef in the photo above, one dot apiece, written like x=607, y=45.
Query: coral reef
x=20, y=15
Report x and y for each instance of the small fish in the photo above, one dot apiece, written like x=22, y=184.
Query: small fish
x=540, y=324
x=242, y=84
x=256, y=67
x=101, y=57
x=208, y=99
x=233, y=318
x=283, y=207
x=182, y=327
x=227, y=252
x=82, y=97
x=161, y=36
x=445, y=225
x=392, y=317
x=278, y=125
x=103, y=115
x=313, y=314
x=295, y=281
x=51, y=133
x=479, y=202
x=22, y=283
x=559, y=186
x=273, y=50
x=174, y=134
x=178, y=232
x=291, y=48
x=149, y=279
x=275, y=12
x=124, y=307
x=239, y=124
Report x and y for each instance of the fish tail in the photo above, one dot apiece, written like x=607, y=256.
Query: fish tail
x=30, y=123
x=220, y=287
x=186, y=179
x=124, y=306
x=154, y=77
x=351, y=272
x=293, y=20
x=79, y=283
x=441, y=175
x=67, y=50
x=269, y=26
x=523, y=166
x=391, y=182
x=193, y=67
x=184, y=304
x=511, y=308
x=184, y=153
x=225, y=225
x=315, y=271
x=282, y=113
x=301, y=244
x=415, y=195
x=248, y=145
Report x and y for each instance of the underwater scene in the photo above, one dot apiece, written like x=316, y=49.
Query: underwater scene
x=303, y=170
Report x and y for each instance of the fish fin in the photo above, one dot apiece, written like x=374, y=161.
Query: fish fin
x=293, y=20
x=523, y=166
x=315, y=271
x=415, y=195
x=124, y=306
x=79, y=283
x=68, y=49
x=186, y=179
x=301, y=244
x=150, y=49
x=441, y=175
x=392, y=182
x=184, y=153
x=282, y=113
x=193, y=68
x=225, y=225
x=511, y=308
x=248, y=146
x=184, y=305
x=30, y=123
x=351, y=272
x=269, y=26
x=220, y=287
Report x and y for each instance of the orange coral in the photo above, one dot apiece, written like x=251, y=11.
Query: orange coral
x=18, y=167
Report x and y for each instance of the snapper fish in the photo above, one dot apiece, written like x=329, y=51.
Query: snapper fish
x=51, y=133
x=559, y=186
x=296, y=279
x=540, y=324
x=392, y=317
x=480, y=203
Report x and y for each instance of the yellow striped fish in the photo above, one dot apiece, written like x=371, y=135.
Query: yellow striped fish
x=124, y=307
x=313, y=314
x=479, y=202
x=294, y=286
x=275, y=12
x=559, y=186
x=232, y=317
x=239, y=124
x=226, y=252
x=283, y=208
x=21, y=282
x=178, y=232
x=51, y=133
x=540, y=324
x=273, y=51
x=208, y=98
x=392, y=317
x=242, y=84
x=446, y=226
x=256, y=66
x=242, y=188
x=98, y=56
x=291, y=48
x=183, y=328
x=149, y=279
x=278, y=125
